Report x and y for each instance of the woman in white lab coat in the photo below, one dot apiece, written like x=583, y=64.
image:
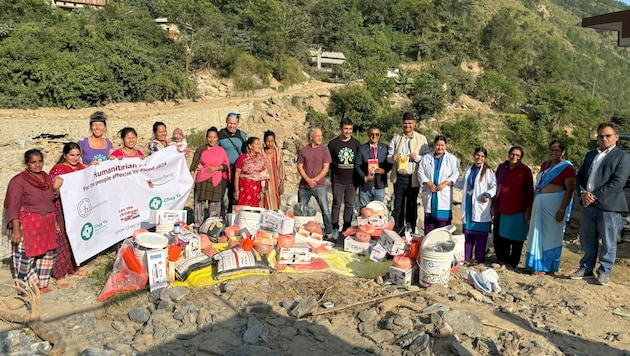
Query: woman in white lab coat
x=479, y=187
x=437, y=172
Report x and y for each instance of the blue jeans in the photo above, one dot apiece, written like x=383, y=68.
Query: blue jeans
x=374, y=194
x=304, y=196
x=599, y=224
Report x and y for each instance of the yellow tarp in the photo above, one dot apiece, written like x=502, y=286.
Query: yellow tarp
x=340, y=262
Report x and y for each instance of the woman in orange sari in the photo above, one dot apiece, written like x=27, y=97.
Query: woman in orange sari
x=275, y=168
x=70, y=161
x=250, y=179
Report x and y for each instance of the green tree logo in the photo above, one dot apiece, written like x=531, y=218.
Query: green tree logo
x=87, y=231
x=155, y=203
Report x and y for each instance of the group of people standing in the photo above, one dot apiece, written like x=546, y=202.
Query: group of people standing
x=231, y=163
x=507, y=202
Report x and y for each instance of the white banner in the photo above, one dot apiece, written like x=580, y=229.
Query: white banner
x=104, y=203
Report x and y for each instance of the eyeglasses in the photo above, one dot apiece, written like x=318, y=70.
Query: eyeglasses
x=374, y=134
x=607, y=136
x=238, y=116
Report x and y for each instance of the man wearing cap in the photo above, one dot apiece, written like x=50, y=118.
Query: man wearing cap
x=232, y=140
x=405, y=151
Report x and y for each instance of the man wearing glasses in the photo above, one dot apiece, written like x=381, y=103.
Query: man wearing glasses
x=405, y=151
x=231, y=139
x=600, y=183
x=371, y=166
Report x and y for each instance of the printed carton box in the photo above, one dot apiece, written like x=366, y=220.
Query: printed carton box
x=300, y=253
x=403, y=277
x=361, y=248
x=281, y=223
x=392, y=243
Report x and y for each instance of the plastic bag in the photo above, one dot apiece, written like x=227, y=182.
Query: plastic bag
x=128, y=274
x=486, y=281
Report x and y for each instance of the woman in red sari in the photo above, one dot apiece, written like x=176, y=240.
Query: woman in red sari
x=70, y=161
x=275, y=168
x=251, y=174
x=31, y=218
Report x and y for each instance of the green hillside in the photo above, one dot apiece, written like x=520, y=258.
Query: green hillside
x=547, y=75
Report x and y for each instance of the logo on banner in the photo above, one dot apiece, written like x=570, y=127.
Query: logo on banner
x=155, y=203
x=84, y=208
x=87, y=231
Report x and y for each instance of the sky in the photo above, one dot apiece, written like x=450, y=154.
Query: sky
x=626, y=1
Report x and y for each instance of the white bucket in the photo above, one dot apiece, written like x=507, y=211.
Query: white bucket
x=435, y=267
x=147, y=241
x=249, y=218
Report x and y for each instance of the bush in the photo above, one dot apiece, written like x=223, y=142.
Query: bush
x=318, y=119
x=464, y=132
x=250, y=73
x=354, y=102
x=288, y=71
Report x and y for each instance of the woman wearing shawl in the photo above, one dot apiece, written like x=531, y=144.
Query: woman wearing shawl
x=479, y=185
x=70, y=161
x=210, y=167
x=551, y=210
x=251, y=175
x=31, y=218
x=437, y=172
x=159, y=140
x=275, y=168
x=512, y=207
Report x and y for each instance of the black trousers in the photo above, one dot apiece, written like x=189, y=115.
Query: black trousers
x=405, y=203
x=507, y=250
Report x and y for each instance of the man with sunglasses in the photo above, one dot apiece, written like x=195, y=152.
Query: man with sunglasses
x=373, y=178
x=600, y=182
x=232, y=140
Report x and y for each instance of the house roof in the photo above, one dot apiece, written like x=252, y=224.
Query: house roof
x=615, y=21
x=331, y=55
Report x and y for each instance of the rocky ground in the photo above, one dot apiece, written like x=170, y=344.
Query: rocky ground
x=283, y=314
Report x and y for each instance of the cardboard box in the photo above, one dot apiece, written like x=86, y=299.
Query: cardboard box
x=300, y=253
x=362, y=248
x=281, y=223
x=191, y=245
x=158, y=217
x=403, y=277
x=378, y=221
x=392, y=242
x=378, y=253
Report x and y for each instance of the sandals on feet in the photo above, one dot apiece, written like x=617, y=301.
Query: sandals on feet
x=63, y=283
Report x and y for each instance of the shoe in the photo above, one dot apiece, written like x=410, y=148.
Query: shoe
x=581, y=273
x=335, y=235
x=603, y=279
x=328, y=237
x=44, y=290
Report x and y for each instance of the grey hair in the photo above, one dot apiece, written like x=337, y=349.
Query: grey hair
x=311, y=130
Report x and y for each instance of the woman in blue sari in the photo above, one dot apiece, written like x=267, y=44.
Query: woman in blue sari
x=551, y=210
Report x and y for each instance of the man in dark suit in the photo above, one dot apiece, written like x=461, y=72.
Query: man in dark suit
x=600, y=183
x=373, y=179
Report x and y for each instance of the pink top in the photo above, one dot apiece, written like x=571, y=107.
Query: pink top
x=213, y=156
x=119, y=153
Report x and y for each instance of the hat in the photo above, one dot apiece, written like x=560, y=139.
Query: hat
x=178, y=133
x=409, y=116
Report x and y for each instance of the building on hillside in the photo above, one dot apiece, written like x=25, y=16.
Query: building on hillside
x=615, y=21
x=170, y=28
x=325, y=61
x=76, y=4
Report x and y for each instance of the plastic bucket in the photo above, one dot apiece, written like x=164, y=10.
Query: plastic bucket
x=249, y=218
x=435, y=267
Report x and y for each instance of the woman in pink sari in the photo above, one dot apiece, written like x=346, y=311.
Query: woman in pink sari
x=251, y=175
x=275, y=168
x=210, y=167
x=69, y=162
